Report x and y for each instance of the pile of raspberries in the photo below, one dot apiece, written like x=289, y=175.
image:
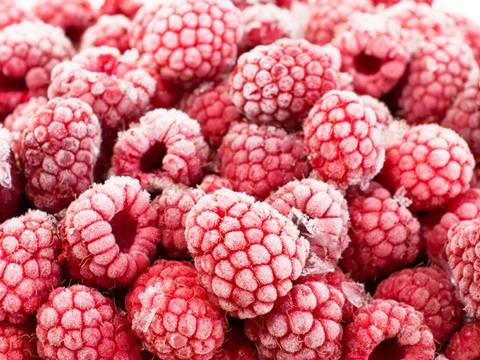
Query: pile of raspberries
x=239, y=179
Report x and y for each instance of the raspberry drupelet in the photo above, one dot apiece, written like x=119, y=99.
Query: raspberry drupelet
x=172, y=314
x=343, y=140
x=246, y=253
x=17, y=342
x=109, y=31
x=10, y=183
x=78, y=322
x=384, y=116
x=140, y=21
x=12, y=13
x=471, y=32
x=463, y=344
x=121, y=7
x=213, y=182
x=258, y=159
x=236, y=345
x=109, y=233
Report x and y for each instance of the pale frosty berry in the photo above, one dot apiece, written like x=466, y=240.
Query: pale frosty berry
x=12, y=13
x=121, y=7
x=172, y=314
x=78, y=322
x=17, y=342
x=246, y=253
x=140, y=21
x=109, y=233
x=258, y=159
x=110, y=31
x=471, y=32
x=343, y=140
x=463, y=344
x=10, y=180
x=384, y=116
x=213, y=182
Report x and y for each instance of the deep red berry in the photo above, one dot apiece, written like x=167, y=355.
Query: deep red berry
x=17, y=342
x=236, y=345
x=10, y=183
x=463, y=344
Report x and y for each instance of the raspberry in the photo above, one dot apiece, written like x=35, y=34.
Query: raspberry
x=165, y=146
x=325, y=215
x=109, y=233
x=246, y=253
x=384, y=116
x=17, y=342
x=463, y=344
x=171, y=312
x=110, y=31
x=386, y=328
x=280, y=82
x=28, y=252
x=236, y=346
x=210, y=183
x=428, y=290
x=343, y=139
x=384, y=234
x=432, y=164
x=78, y=322
x=471, y=32
x=392, y=2
x=260, y=159
x=172, y=207
x=10, y=183
x=12, y=13
x=121, y=7
x=140, y=21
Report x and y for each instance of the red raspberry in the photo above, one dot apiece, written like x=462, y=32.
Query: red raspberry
x=172, y=314
x=432, y=164
x=210, y=183
x=28, y=262
x=463, y=344
x=280, y=82
x=10, y=183
x=343, y=139
x=471, y=32
x=78, y=322
x=165, y=146
x=260, y=159
x=430, y=291
x=386, y=328
x=384, y=234
x=142, y=18
x=12, y=13
x=384, y=116
x=110, y=31
x=17, y=342
x=246, y=253
x=109, y=235
x=122, y=7
x=236, y=345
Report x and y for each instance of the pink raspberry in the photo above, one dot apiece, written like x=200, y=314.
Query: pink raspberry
x=384, y=116
x=236, y=345
x=172, y=314
x=384, y=234
x=260, y=159
x=10, y=181
x=280, y=82
x=343, y=139
x=304, y=324
x=109, y=233
x=110, y=31
x=140, y=21
x=78, y=322
x=121, y=7
x=165, y=146
x=386, y=328
x=246, y=253
x=17, y=342
x=28, y=259
x=210, y=183
x=12, y=13
x=463, y=344
x=471, y=32
x=431, y=164
x=392, y=2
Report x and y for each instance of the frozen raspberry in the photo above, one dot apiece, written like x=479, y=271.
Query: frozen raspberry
x=246, y=253
x=384, y=234
x=172, y=314
x=12, y=13
x=258, y=159
x=280, y=82
x=210, y=183
x=392, y=2
x=78, y=322
x=10, y=183
x=28, y=259
x=109, y=233
x=430, y=291
x=121, y=7
x=384, y=116
x=471, y=32
x=321, y=210
x=165, y=146
x=463, y=344
x=432, y=164
x=236, y=345
x=110, y=31
x=343, y=139
x=384, y=329
x=140, y=21
x=210, y=104
x=172, y=207
x=17, y=342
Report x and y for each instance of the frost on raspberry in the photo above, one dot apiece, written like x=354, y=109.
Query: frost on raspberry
x=121, y=7
x=10, y=181
x=109, y=31
x=384, y=116
x=470, y=30
x=392, y=2
x=109, y=233
x=213, y=182
x=463, y=344
x=78, y=322
x=172, y=314
x=12, y=13
x=258, y=159
x=246, y=253
x=140, y=21
x=17, y=341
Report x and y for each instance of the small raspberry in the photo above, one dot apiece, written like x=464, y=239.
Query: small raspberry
x=172, y=314
x=210, y=183
x=471, y=32
x=17, y=342
x=432, y=164
x=384, y=116
x=246, y=253
x=109, y=233
x=10, y=183
x=260, y=159
x=12, y=13
x=463, y=344
x=343, y=139
x=78, y=322
x=110, y=31
x=236, y=345
x=121, y=7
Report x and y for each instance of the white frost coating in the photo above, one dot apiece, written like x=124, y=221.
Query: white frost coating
x=315, y=265
x=393, y=132
x=441, y=357
x=401, y=198
x=5, y=167
x=355, y=293
x=144, y=318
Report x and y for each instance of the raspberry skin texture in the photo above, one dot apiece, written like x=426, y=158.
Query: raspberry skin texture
x=236, y=345
x=279, y=83
x=471, y=32
x=213, y=182
x=258, y=159
x=384, y=328
x=463, y=344
x=304, y=324
x=17, y=342
x=343, y=140
x=121, y=7
x=384, y=116
x=172, y=313
x=10, y=180
x=140, y=21
x=246, y=253
x=12, y=13
x=165, y=147
x=432, y=164
x=109, y=233
x=78, y=322
x=109, y=31
x=392, y=2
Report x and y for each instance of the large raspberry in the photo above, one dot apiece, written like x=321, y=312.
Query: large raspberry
x=384, y=116
x=471, y=32
x=109, y=233
x=213, y=182
x=463, y=344
x=17, y=342
x=12, y=13
x=260, y=159
x=171, y=312
x=78, y=322
x=236, y=345
x=140, y=21
x=343, y=139
x=246, y=253
x=10, y=183
x=110, y=31
x=431, y=164
x=121, y=7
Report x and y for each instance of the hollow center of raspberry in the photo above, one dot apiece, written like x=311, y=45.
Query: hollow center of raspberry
x=124, y=228
x=367, y=64
x=73, y=33
x=388, y=349
x=152, y=159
